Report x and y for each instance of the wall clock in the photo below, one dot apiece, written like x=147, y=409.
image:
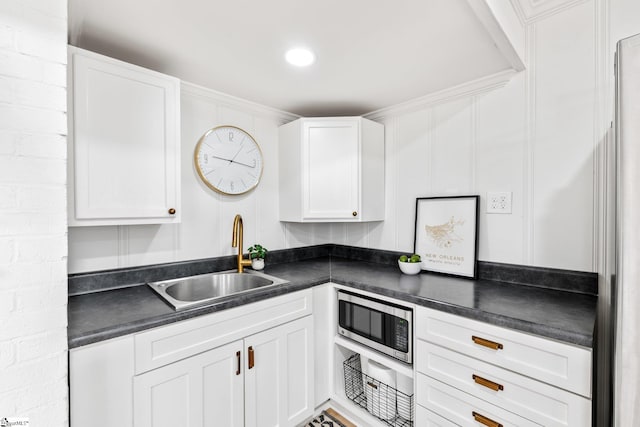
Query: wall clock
x=228, y=160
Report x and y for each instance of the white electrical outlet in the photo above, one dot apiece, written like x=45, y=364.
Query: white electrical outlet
x=499, y=202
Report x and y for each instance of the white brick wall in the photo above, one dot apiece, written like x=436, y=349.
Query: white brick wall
x=33, y=219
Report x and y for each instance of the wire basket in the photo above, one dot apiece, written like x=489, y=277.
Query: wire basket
x=386, y=403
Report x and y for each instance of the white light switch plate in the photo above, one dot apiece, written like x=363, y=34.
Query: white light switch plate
x=499, y=202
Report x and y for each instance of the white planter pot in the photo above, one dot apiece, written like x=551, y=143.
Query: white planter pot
x=257, y=263
x=410, y=267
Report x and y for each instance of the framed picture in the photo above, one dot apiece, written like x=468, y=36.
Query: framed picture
x=447, y=234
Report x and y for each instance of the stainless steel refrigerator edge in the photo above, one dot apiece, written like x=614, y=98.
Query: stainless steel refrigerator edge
x=626, y=289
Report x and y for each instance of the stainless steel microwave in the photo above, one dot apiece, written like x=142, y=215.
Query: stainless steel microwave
x=378, y=324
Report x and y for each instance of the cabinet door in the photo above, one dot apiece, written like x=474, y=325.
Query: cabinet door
x=279, y=385
x=331, y=170
x=124, y=132
x=100, y=384
x=205, y=390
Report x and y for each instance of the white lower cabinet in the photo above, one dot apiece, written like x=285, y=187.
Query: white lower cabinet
x=279, y=382
x=203, y=390
x=254, y=366
x=263, y=380
x=469, y=372
x=100, y=389
x=247, y=366
x=529, y=398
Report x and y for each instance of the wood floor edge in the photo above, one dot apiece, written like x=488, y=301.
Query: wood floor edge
x=335, y=414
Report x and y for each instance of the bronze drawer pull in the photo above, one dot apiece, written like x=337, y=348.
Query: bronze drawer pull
x=172, y=211
x=484, y=420
x=251, y=361
x=370, y=384
x=238, y=356
x=487, y=383
x=486, y=343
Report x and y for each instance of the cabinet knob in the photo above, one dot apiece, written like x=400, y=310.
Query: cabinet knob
x=172, y=211
x=354, y=213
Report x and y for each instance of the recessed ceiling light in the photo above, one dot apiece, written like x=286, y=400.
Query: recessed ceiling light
x=300, y=57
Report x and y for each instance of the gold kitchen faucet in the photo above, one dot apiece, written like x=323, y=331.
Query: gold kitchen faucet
x=236, y=241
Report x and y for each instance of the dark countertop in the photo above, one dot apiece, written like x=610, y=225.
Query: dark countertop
x=561, y=315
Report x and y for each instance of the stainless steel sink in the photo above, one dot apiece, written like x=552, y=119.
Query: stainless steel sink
x=206, y=288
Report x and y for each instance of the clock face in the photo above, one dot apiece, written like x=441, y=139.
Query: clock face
x=228, y=160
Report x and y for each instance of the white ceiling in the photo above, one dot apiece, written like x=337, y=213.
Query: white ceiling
x=369, y=54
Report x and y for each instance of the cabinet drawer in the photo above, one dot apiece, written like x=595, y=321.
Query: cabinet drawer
x=426, y=418
x=461, y=408
x=531, y=399
x=167, y=344
x=563, y=365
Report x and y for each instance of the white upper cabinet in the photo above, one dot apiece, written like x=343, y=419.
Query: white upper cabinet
x=124, y=157
x=332, y=170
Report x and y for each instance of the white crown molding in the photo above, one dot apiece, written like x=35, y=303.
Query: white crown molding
x=517, y=7
x=475, y=87
x=221, y=98
x=505, y=28
x=534, y=10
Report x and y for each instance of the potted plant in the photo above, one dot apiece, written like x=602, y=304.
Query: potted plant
x=410, y=264
x=257, y=254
